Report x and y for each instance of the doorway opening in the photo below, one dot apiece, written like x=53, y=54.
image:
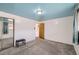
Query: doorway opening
x=40, y=30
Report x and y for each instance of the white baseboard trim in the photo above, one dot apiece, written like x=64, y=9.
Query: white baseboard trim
x=61, y=42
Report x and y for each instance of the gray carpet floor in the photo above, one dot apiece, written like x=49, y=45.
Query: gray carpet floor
x=41, y=47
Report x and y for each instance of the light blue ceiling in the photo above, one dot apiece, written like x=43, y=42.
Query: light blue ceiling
x=52, y=10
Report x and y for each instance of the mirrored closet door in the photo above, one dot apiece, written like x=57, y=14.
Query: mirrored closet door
x=6, y=33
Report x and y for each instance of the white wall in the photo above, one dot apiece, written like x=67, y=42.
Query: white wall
x=60, y=29
x=24, y=28
x=37, y=30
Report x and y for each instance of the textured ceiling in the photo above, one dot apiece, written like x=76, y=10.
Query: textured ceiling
x=51, y=10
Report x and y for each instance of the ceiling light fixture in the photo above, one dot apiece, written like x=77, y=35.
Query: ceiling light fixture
x=39, y=11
